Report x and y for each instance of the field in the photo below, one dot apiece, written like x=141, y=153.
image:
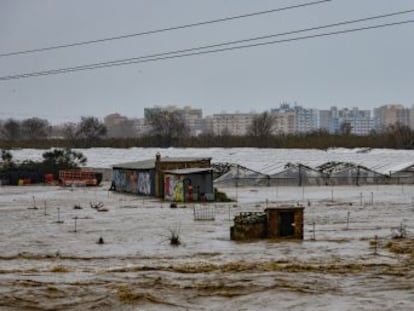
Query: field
x=48, y=263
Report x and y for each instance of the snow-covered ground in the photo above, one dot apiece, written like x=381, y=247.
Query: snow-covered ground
x=46, y=265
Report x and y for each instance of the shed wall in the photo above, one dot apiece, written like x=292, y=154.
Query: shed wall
x=134, y=181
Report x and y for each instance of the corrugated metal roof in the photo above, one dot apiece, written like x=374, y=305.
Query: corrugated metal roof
x=137, y=165
x=150, y=163
x=184, y=159
x=193, y=170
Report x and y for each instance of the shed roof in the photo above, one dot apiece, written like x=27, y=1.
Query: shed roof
x=184, y=159
x=142, y=165
x=187, y=171
x=150, y=163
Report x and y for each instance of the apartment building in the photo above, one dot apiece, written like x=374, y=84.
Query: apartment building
x=387, y=115
x=359, y=121
x=304, y=120
x=229, y=123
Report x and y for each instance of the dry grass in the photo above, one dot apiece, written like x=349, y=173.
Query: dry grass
x=401, y=246
x=60, y=269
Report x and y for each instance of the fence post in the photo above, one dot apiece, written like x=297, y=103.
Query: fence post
x=347, y=220
x=313, y=232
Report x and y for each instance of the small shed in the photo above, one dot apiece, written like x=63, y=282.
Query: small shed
x=147, y=177
x=275, y=222
x=134, y=177
x=285, y=221
x=189, y=185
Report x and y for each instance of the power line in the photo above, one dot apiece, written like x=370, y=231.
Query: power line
x=153, y=59
x=150, y=32
x=245, y=40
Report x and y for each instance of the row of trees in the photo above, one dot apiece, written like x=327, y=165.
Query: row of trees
x=89, y=128
x=169, y=129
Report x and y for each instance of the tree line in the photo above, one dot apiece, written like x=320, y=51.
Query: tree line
x=168, y=129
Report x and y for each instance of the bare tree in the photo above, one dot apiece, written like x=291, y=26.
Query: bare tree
x=125, y=128
x=262, y=125
x=11, y=130
x=345, y=128
x=167, y=126
x=35, y=128
x=90, y=129
x=400, y=136
x=69, y=130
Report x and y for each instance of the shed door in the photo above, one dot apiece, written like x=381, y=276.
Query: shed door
x=287, y=220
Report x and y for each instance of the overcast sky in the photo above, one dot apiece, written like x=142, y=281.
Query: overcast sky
x=364, y=69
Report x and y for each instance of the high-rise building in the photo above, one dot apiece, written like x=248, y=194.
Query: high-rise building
x=305, y=120
x=334, y=120
x=229, y=123
x=387, y=115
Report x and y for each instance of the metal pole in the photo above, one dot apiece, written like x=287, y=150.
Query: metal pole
x=313, y=232
x=347, y=220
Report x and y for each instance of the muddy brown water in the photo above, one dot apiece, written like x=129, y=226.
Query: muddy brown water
x=46, y=265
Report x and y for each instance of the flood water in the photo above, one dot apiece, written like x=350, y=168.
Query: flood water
x=50, y=258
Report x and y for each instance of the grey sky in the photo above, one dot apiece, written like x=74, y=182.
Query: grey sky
x=365, y=69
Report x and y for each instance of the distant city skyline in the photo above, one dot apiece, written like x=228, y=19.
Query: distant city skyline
x=142, y=114
x=366, y=69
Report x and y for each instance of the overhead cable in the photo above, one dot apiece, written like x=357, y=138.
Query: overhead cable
x=153, y=59
x=247, y=40
x=150, y=32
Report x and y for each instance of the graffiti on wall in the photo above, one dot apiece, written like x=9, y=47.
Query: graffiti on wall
x=144, y=183
x=132, y=181
x=174, y=188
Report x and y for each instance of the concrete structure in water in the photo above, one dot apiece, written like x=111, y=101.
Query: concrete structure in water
x=275, y=222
